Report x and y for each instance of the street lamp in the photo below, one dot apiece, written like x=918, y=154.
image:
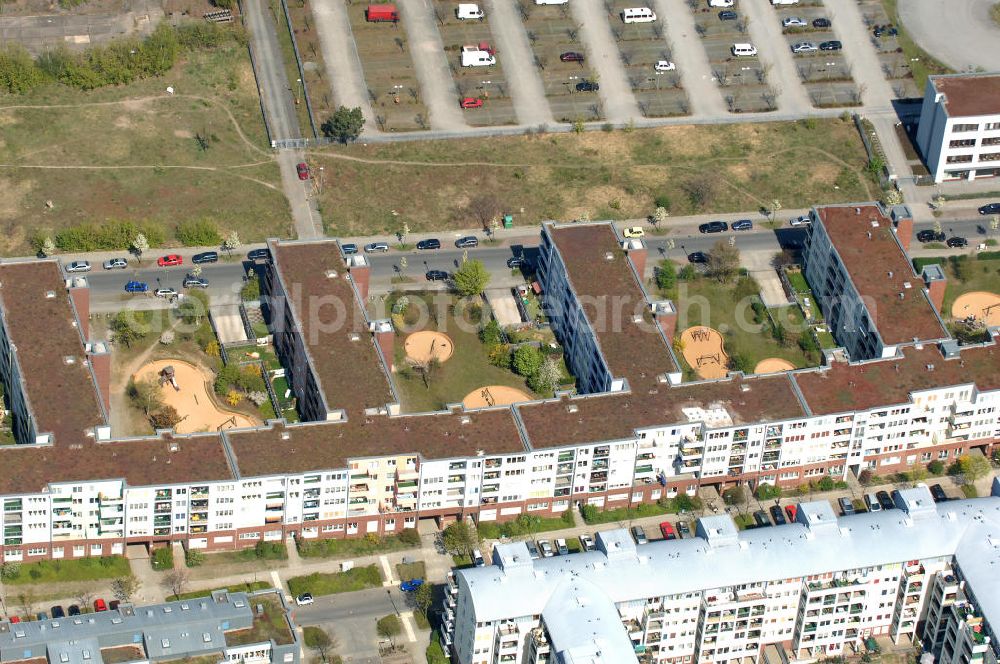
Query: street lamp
x=298, y=82
x=388, y=593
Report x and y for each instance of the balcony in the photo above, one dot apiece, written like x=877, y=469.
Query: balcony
x=409, y=472
x=162, y=494
x=647, y=468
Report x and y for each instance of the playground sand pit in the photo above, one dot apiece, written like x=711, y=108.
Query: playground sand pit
x=704, y=351
x=193, y=399
x=773, y=365
x=494, y=395
x=984, y=305
x=422, y=347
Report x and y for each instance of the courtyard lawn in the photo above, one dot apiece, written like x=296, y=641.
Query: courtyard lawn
x=319, y=583
x=60, y=571
x=979, y=275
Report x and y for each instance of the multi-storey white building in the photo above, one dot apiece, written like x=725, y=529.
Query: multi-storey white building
x=959, y=130
x=817, y=587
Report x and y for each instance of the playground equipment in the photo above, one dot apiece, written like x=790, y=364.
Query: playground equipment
x=166, y=375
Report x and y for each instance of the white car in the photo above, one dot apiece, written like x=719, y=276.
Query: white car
x=800, y=221
x=664, y=65
x=804, y=47
x=793, y=22
x=78, y=266
x=165, y=292
x=115, y=264
x=304, y=599
x=721, y=3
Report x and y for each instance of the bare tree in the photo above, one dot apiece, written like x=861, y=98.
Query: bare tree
x=177, y=580
x=485, y=208
x=540, y=62
x=85, y=596
x=26, y=601
x=124, y=587
x=400, y=44
x=723, y=261
x=524, y=10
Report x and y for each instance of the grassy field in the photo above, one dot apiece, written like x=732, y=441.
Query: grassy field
x=271, y=626
x=980, y=276
x=319, y=583
x=617, y=175
x=134, y=152
x=82, y=569
x=238, y=588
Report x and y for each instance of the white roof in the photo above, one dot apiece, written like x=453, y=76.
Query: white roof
x=584, y=626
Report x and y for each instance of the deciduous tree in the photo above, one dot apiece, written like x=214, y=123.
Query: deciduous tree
x=344, y=125
x=723, y=261
x=471, y=279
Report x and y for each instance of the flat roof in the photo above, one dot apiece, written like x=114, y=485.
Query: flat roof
x=843, y=387
x=39, y=317
x=329, y=445
x=348, y=371
x=969, y=94
x=865, y=241
x=611, y=297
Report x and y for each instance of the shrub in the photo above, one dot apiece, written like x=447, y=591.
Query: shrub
x=936, y=467
x=198, y=233
x=271, y=551
x=970, y=491
x=865, y=476
x=491, y=334
x=409, y=536
x=527, y=360
x=389, y=626
x=499, y=356
x=163, y=559
x=18, y=72
x=666, y=275
x=688, y=273
x=193, y=558
x=768, y=492
x=826, y=484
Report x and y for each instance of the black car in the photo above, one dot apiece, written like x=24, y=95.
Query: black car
x=467, y=242
x=349, y=249
x=930, y=236
x=205, y=257
x=697, y=257
x=432, y=243
x=990, y=208
x=683, y=530
x=957, y=242
x=760, y=518
x=885, y=500
x=846, y=506
x=821, y=23
x=259, y=254
x=57, y=612
x=832, y=45
x=515, y=262
x=571, y=56
x=73, y=610
x=728, y=15
x=436, y=275
x=742, y=225
x=713, y=227
x=778, y=515
x=114, y=604
x=937, y=492
x=588, y=86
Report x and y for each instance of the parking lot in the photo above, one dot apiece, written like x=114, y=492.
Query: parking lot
x=826, y=74
x=895, y=66
x=743, y=80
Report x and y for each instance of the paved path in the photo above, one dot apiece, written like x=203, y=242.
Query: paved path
x=518, y=60
x=960, y=33
x=347, y=78
x=774, y=54
x=860, y=53
x=691, y=58
x=430, y=62
x=605, y=59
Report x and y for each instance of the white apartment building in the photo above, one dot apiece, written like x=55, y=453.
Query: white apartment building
x=959, y=130
x=817, y=587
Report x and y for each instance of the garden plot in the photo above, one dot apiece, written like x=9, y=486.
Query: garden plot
x=551, y=33
x=488, y=82
x=894, y=62
x=743, y=80
x=389, y=74
x=642, y=46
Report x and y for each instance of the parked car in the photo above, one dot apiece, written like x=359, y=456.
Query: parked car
x=832, y=45
x=304, y=599
x=760, y=519
x=793, y=22
x=697, y=257
x=587, y=542
x=191, y=281
x=990, y=208
x=431, y=243
x=957, y=242
x=588, y=86
x=78, y=266
x=259, y=254
x=937, y=492
x=348, y=249
x=664, y=65
x=667, y=530
x=115, y=264
x=165, y=292
x=871, y=502
x=683, y=530
x=801, y=220
x=376, y=247
x=533, y=550
x=821, y=23
x=885, y=500
x=467, y=242
x=170, y=260
x=640, y=535
x=436, y=275
x=14, y=620
x=471, y=102
x=633, y=231
x=728, y=15
x=302, y=168
x=205, y=257
x=516, y=262
x=777, y=515
x=100, y=605
x=73, y=610
x=477, y=558
x=791, y=511
x=930, y=236
x=57, y=612
x=713, y=227
x=561, y=547
x=411, y=585
x=742, y=225
x=114, y=604
x=546, y=548
x=846, y=506
x=41, y=615
x=804, y=47
x=571, y=56
x=137, y=287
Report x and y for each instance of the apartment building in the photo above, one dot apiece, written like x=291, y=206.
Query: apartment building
x=359, y=466
x=959, y=130
x=817, y=587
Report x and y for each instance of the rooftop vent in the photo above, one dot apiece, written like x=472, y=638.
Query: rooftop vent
x=907, y=284
x=874, y=223
x=465, y=419
x=930, y=367
x=609, y=256
x=50, y=295
x=331, y=274
x=857, y=210
x=353, y=336
x=902, y=295
x=174, y=447
x=69, y=359
x=572, y=408
x=744, y=388
x=890, y=274
x=285, y=435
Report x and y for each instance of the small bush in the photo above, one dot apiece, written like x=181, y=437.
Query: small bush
x=936, y=467
x=198, y=233
x=970, y=491
x=163, y=559
x=409, y=536
x=768, y=492
x=271, y=551
x=193, y=558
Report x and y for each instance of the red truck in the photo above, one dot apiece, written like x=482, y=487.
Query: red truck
x=381, y=13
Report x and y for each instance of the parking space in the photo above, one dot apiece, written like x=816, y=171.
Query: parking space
x=895, y=66
x=552, y=32
x=648, y=62
x=818, y=54
x=485, y=82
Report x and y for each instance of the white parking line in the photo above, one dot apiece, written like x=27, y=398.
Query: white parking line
x=275, y=579
x=387, y=568
x=406, y=617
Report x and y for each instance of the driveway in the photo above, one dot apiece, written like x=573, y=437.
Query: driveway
x=615, y=93
x=776, y=57
x=78, y=31
x=518, y=63
x=957, y=32
x=431, y=65
x=347, y=79
x=691, y=59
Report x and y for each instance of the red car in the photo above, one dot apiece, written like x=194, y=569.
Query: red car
x=472, y=102
x=667, y=530
x=169, y=261
x=100, y=605
x=14, y=619
x=572, y=56
x=302, y=169
x=791, y=510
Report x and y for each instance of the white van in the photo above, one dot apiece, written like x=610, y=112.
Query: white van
x=784, y=2
x=638, y=15
x=469, y=10
x=721, y=3
x=551, y=2
x=473, y=56
x=743, y=50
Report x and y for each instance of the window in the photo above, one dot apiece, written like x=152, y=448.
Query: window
x=964, y=127
x=960, y=159
x=991, y=156
x=963, y=143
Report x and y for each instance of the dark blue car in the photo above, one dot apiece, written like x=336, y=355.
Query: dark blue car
x=137, y=287
x=411, y=585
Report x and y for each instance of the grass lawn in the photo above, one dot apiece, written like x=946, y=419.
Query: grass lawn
x=427, y=184
x=980, y=276
x=593, y=515
x=525, y=524
x=238, y=588
x=921, y=63
x=58, y=571
x=132, y=152
x=272, y=625
x=358, y=546
x=744, y=521
x=318, y=583
x=122, y=654
x=414, y=570
x=467, y=370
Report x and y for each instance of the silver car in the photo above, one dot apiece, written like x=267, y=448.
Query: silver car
x=376, y=247
x=793, y=22
x=115, y=264
x=804, y=47
x=78, y=266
